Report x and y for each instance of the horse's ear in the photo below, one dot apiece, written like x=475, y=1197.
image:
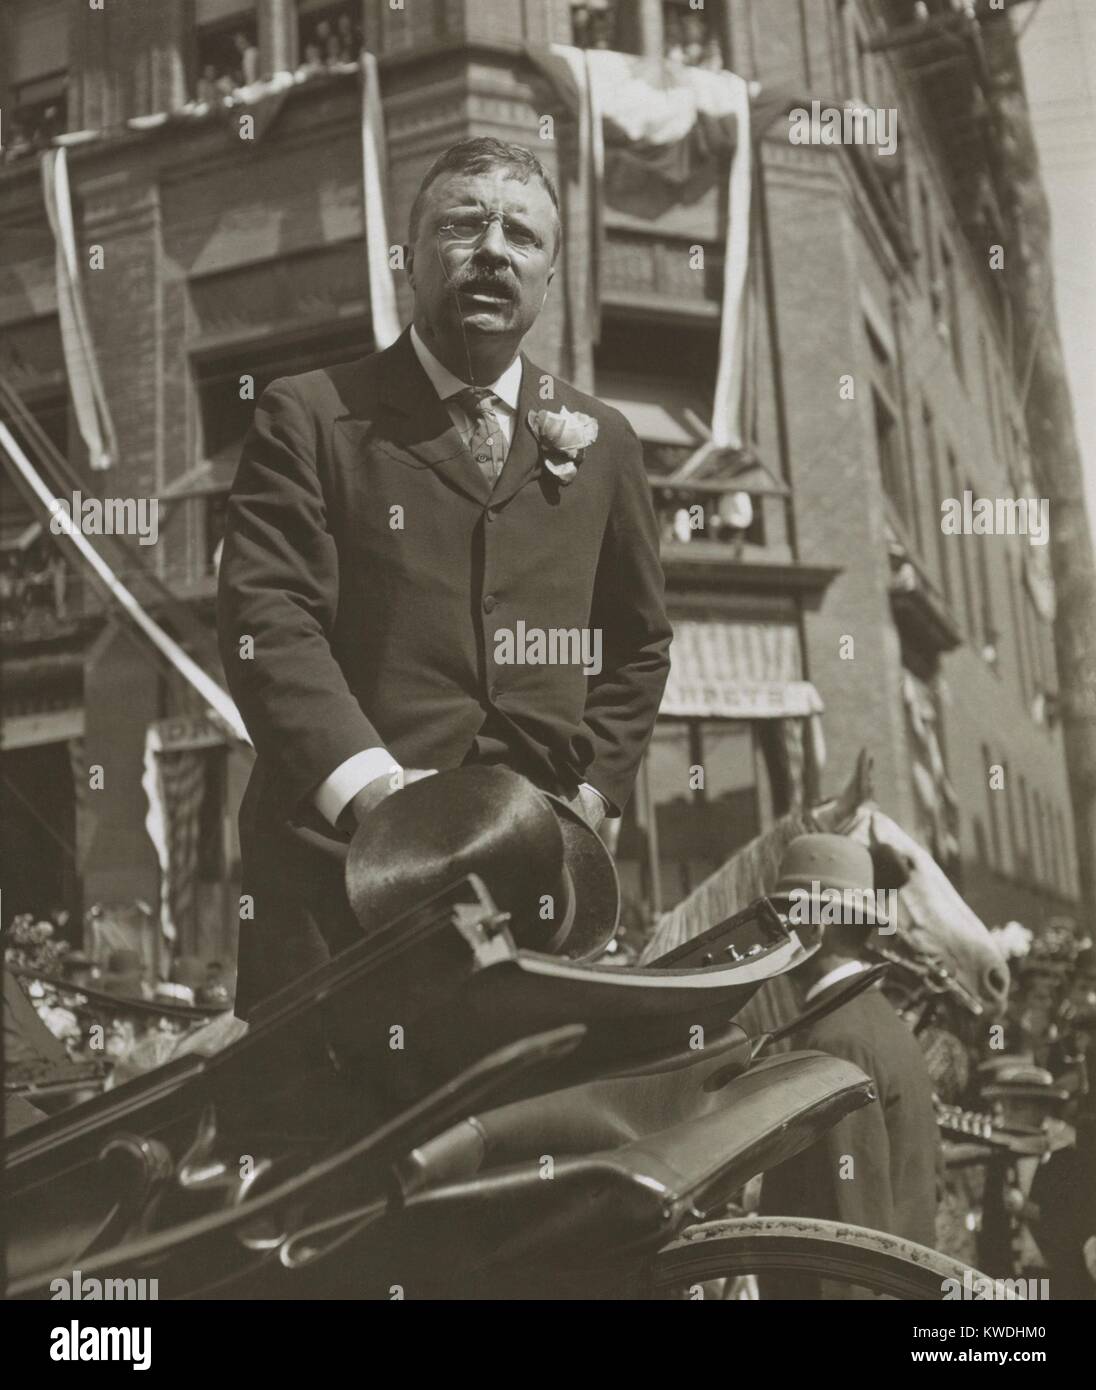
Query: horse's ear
x=855, y=792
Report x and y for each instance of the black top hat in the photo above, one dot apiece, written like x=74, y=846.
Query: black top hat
x=539, y=860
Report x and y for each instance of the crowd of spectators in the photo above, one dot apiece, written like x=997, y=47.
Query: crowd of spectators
x=33, y=590
x=238, y=67
x=687, y=34
x=327, y=43
x=688, y=39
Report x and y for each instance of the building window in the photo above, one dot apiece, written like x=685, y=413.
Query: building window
x=226, y=47
x=1017, y=629
x=888, y=440
x=889, y=450
x=328, y=35
x=951, y=306
x=604, y=24
x=41, y=590
x=991, y=399
x=691, y=36
x=992, y=794
x=37, y=75
x=1054, y=866
x=1042, y=810
x=937, y=497
x=988, y=627
x=661, y=375
x=1031, y=637
x=693, y=515
x=706, y=786
x=226, y=415
x=1062, y=826
x=1013, y=835
x=962, y=547
x=928, y=247
x=1027, y=850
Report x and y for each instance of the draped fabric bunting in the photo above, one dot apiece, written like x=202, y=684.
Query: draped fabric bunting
x=666, y=128
x=174, y=783
x=584, y=243
x=81, y=365
x=382, y=287
x=935, y=795
x=262, y=103
x=156, y=825
x=1039, y=580
x=794, y=760
x=220, y=704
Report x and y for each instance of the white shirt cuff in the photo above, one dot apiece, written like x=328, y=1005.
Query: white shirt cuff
x=335, y=793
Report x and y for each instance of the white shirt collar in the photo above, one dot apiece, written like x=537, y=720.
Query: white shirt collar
x=507, y=388
x=840, y=972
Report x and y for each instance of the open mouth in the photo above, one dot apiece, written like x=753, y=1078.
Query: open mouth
x=486, y=294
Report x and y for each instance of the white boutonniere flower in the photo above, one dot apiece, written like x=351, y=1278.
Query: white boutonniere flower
x=563, y=436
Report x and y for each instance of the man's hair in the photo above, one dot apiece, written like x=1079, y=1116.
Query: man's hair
x=479, y=155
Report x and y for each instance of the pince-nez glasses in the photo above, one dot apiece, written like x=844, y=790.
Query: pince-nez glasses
x=468, y=229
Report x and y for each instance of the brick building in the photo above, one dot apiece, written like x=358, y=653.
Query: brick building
x=881, y=378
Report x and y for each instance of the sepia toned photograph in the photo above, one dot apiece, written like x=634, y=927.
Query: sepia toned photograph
x=548, y=660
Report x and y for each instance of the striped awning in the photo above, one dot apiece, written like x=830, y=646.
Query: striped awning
x=728, y=670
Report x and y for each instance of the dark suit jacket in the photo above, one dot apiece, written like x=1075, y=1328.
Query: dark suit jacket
x=372, y=566
x=893, y=1142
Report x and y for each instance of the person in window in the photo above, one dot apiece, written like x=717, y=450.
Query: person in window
x=350, y=41
x=208, y=90
x=313, y=59
x=248, y=71
x=713, y=56
x=695, y=36
x=673, y=39
x=593, y=23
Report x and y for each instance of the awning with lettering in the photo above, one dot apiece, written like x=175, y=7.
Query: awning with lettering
x=734, y=670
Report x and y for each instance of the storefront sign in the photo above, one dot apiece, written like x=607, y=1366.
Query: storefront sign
x=737, y=671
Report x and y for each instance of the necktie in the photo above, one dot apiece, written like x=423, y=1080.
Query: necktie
x=487, y=443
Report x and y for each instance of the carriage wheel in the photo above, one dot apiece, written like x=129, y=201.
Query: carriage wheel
x=828, y=1250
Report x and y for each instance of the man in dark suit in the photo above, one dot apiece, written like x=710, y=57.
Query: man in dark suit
x=418, y=575
x=878, y=1166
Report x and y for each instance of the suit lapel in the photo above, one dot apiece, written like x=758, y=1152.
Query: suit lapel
x=523, y=460
x=416, y=422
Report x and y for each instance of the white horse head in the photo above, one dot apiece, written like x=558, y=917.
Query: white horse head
x=932, y=916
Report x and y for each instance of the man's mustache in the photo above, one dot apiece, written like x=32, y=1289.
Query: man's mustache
x=480, y=283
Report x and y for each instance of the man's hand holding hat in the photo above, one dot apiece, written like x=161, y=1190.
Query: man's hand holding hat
x=374, y=792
